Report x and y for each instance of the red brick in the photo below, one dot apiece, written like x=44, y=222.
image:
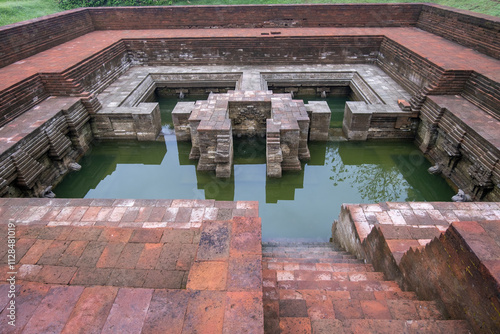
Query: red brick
x=35, y=252
x=22, y=247
x=295, y=326
x=428, y=310
x=128, y=311
x=28, y=298
x=247, y=243
x=327, y=326
x=166, y=312
x=115, y=234
x=53, y=232
x=168, y=256
x=130, y=215
x=91, y=310
x=127, y=277
x=320, y=309
x=186, y=256
x=374, y=326
x=363, y=295
x=77, y=214
x=403, y=309
x=56, y=274
x=91, y=214
x=54, y=252
x=177, y=236
x=347, y=309
x=164, y=279
x=85, y=233
x=156, y=215
x=205, y=312
x=110, y=255
x=130, y=255
x=244, y=273
x=149, y=256
x=375, y=309
x=243, y=313
x=183, y=215
x=146, y=235
x=28, y=272
x=143, y=214
x=58, y=303
x=91, y=254
x=72, y=253
x=208, y=275
x=91, y=276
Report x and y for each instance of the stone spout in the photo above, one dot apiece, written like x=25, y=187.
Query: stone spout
x=436, y=169
x=461, y=196
x=74, y=167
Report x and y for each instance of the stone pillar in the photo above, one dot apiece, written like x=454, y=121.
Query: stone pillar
x=180, y=118
x=319, y=114
x=357, y=120
x=290, y=137
x=147, y=121
x=224, y=150
x=274, y=155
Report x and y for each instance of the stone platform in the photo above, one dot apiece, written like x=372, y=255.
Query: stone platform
x=283, y=121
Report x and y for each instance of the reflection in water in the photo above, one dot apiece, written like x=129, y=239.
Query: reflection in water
x=299, y=205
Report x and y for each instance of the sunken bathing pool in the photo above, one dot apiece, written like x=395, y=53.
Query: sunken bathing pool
x=301, y=204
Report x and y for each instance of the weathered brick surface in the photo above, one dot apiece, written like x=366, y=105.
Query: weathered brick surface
x=306, y=299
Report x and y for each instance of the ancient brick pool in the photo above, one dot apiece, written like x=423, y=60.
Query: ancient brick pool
x=301, y=204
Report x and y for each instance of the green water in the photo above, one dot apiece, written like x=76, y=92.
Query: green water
x=299, y=205
x=336, y=104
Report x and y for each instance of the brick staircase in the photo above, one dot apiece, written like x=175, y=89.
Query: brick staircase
x=318, y=288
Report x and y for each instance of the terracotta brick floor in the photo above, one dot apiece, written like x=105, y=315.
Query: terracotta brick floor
x=318, y=289
x=132, y=266
x=436, y=49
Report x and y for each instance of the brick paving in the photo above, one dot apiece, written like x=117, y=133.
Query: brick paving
x=78, y=270
x=317, y=288
x=436, y=49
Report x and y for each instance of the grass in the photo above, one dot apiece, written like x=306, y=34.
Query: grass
x=12, y=11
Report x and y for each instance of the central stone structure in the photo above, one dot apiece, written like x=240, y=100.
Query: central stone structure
x=286, y=123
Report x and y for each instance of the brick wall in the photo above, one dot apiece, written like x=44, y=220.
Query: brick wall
x=484, y=93
x=91, y=75
x=343, y=15
x=20, y=97
x=24, y=39
x=277, y=50
x=407, y=68
x=480, y=32
x=452, y=267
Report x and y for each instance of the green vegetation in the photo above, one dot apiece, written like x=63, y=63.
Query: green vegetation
x=12, y=11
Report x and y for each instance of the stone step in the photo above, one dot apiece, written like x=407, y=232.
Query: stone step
x=333, y=267
x=294, y=304
x=374, y=326
x=322, y=289
x=344, y=285
x=329, y=260
x=315, y=295
x=308, y=255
